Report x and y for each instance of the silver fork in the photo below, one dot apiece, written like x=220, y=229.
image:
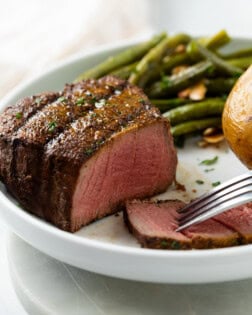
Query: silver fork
x=234, y=192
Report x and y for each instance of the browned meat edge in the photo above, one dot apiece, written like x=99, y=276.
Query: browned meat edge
x=30, y=140
x=170, y=243
x=46, y=145
x=154, y=242
x=13, y=118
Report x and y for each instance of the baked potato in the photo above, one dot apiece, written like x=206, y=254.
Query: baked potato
x=237, y=118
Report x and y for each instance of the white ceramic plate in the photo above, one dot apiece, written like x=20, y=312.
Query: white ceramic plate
x=106, y=247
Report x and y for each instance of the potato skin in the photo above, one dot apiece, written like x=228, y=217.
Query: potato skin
x=237, y=118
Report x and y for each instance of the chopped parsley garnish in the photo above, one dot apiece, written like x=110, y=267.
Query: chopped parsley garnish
x=19, y=115
x=216, y=184
x=199, y=181
x=142, y=101
x=80, y=101
x=175, y=245
x=61, y=99
x=163, y=243
x=51, y=126
x=210, y=161
x=89, y=151
x=93, y=100
x=93, y=115
x=99, y=142
x=209, y=170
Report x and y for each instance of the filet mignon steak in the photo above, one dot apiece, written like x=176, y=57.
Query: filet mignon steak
x=76, y=156
x=154, y=224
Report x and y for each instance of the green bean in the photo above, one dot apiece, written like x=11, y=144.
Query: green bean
x=167, y=104
x=247, y=52
x=195, y=125
x=123, y=58
x=206, y=108
x=195, y=49
x=177, y=82
x=242, y=63
x=219, y=86
x=216, y=41
x=171, y=62
x=153, y=59
x=125, y=72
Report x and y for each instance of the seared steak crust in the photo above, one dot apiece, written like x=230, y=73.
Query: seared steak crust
x=51, y=147
x=13, y=118
x=75, y=101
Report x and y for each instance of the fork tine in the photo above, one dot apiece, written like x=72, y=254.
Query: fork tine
x=196, y=208
x=239, y=200
x=216, y=190
x=208, y=206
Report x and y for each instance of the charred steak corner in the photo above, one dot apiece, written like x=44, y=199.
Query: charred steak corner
x=76, y=156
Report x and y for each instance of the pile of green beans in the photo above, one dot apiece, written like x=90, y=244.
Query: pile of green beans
x=150, y=64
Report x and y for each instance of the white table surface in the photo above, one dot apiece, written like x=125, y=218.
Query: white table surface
x=9, y=303
x=46, y=286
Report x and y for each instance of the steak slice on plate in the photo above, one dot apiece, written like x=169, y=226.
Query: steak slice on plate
x=82, y=155
x=154, y=224
x=240, y=220
x=211, y=234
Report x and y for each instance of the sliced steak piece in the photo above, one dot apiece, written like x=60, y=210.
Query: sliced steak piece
x=211, y=234
x=154, y=225
x=82, y=156
x=240, y=220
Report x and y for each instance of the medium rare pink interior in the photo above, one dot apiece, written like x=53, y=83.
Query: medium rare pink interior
x=135, y=164
x=208, y=229
x=239, y=219
x=156, y=219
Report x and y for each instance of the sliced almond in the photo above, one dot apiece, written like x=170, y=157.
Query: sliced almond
x=198, y=92
x=211, y=131
x=178, y=69
x=184, y=93
x=202, y=144
x=213, y=139
x=180, y=49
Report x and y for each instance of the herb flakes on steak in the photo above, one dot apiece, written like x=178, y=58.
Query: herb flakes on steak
x=86, y=151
